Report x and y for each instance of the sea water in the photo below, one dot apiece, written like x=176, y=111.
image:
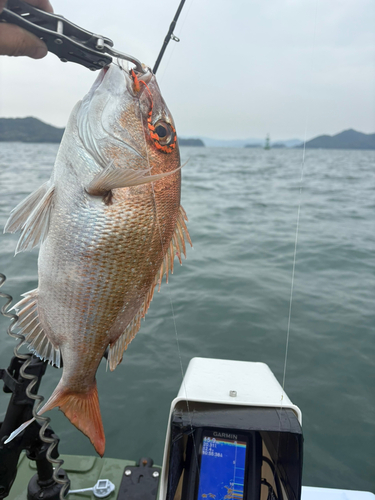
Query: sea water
x=231, y=299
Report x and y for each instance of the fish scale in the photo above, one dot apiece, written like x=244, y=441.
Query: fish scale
x=110, y=224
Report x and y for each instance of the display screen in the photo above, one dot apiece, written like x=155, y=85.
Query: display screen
x=222, y=469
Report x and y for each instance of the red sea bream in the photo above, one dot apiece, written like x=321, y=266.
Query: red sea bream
x=110, y=223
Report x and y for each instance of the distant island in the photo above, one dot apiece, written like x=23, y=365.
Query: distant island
x=28, y=130
x=33, y=130
x=348, y=139
x=290, y=143
x=272, y=145
x=191, y=142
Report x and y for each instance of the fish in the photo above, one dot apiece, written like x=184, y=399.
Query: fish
x=109, y=223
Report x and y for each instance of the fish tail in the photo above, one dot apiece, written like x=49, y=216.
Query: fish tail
x=82, y=409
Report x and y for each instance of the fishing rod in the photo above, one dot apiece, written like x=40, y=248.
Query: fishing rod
x=170, y=36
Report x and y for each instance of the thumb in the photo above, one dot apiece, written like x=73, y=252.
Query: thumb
x=14, y=41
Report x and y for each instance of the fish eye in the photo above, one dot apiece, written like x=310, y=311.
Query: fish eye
x=161, y=130
x=165, y=132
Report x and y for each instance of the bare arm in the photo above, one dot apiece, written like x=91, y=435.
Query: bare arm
x=15, y=41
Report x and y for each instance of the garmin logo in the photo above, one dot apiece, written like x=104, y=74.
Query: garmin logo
x=225, y=435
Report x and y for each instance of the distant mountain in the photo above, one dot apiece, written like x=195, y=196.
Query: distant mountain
x=28, y=130
x=191, y=142
x=228, y=143
x=348, y=139
x=241, y=143
x=290, y=143
x=33, y=130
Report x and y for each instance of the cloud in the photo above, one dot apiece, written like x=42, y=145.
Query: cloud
x=241, y=68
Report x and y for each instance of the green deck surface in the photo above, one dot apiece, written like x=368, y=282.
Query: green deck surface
x=83, y=472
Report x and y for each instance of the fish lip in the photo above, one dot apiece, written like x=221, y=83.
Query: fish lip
x=147, y=75
x=99, y=80
x=144, y=77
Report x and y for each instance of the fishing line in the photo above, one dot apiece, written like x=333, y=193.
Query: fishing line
x=298, y=213
x=169, y=294
x=302, y=167
x=290, y=301
x=294, y=260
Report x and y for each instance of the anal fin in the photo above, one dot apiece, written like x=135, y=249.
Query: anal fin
x=35, y=338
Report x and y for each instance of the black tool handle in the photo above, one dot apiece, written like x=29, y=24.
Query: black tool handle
x=63, y=38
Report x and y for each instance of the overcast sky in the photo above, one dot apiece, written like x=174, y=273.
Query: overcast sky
x=243, y=68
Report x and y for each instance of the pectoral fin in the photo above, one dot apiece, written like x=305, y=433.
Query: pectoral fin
x=36, y=227
x=32, y=216
x=19, y=215
x=114, y=178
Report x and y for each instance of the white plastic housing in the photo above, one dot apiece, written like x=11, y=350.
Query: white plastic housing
x=210, y=380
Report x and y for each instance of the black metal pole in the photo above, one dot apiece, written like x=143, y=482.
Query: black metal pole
x=168, y=37
x=20, y=406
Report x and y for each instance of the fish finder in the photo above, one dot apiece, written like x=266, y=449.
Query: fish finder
x=233, y=434
x=222, y=463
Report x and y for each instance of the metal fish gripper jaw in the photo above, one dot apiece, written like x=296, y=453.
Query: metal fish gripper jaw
x=65, y=39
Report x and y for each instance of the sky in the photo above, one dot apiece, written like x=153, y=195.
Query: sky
x=243, y=68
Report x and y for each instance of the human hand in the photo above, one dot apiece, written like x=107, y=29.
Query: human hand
x=15, y=41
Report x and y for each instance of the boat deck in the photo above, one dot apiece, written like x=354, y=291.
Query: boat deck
x=83, y=472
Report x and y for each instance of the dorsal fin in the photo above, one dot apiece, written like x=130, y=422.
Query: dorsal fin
x=177, y=244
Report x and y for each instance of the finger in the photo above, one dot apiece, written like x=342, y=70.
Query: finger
x=41, y=4
x=14, y=41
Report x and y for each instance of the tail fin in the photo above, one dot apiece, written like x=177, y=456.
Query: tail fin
x=82, y=409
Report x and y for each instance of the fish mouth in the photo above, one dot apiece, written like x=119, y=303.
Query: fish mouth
x=128, y=73
x=112, y=85
x=124, y=67
x=99, y=79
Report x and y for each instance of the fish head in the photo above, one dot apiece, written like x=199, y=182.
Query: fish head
x=124, y=120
